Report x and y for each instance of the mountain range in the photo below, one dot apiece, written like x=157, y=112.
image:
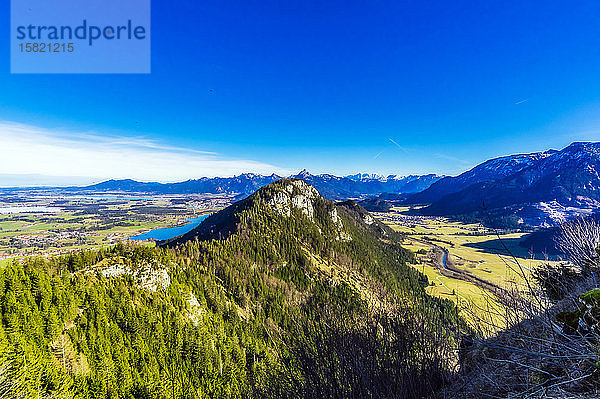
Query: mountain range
x=533, y=189
x=330, y=186
x=539, y=189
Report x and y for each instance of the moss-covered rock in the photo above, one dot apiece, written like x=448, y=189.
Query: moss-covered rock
x=584, y=319
x=569, y=320
x=591, y=298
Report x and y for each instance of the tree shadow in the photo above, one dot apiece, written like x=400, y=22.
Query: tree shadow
x=540, y=244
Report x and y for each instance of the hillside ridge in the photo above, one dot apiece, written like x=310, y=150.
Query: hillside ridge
x=539, y=189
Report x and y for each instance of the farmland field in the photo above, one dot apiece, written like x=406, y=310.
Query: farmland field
x=55, y=222
x=480, y=261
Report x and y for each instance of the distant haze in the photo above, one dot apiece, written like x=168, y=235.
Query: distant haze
x=33, y=180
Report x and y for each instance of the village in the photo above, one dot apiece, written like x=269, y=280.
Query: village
x=56, y=223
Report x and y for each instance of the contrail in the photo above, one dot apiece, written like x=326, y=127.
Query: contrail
x=397, y=145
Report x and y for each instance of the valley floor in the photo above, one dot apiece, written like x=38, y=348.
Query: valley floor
x=466, y=263
x=57, y=222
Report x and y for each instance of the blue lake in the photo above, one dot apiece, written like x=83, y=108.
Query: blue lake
x=170, y=232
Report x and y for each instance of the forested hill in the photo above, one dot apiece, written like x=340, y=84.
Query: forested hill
x=284, y=294
x=276, y=206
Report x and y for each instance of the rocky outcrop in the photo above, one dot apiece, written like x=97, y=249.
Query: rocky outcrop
x=146, y=276
x=296, y=195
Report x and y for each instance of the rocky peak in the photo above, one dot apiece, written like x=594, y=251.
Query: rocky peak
x=303, y=174
x=294, y=193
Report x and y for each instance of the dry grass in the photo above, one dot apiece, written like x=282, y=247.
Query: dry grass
x=538, y=356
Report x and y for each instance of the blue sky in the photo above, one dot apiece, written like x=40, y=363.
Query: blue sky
x=276, y=86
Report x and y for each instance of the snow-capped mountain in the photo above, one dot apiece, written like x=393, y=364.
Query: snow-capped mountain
x=330, y=186
x=362, y=184
x=490, y=170
x=370, y=177
x=366, y=176
x=545, y=188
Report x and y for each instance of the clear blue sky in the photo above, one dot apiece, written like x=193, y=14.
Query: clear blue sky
x=371, y=86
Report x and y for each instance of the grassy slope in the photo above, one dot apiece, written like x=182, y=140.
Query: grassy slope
x=481, y=255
